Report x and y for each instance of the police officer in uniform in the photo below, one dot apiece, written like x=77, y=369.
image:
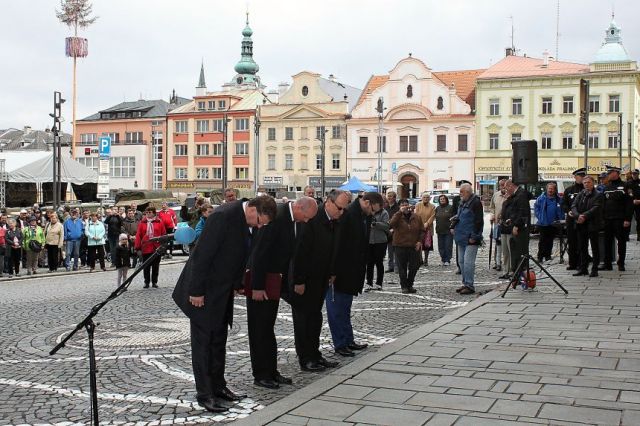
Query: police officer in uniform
x=568, y=198
x=634, y=191
x=618, y=209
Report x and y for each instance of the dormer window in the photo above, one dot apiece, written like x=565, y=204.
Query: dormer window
x=222, y=104
x=305, y=90
x=409, y=91
x=440, y=105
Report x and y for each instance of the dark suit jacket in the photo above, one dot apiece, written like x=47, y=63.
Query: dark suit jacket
x=215, y=267
x=589, y=205
x=353, y=248
x=517, y=209
x=314, y=258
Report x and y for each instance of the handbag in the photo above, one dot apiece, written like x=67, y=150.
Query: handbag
x=427, y=241
x=272, y=284
x=35, y=246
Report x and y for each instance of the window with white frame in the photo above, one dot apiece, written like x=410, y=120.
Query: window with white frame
x=494, y=107
x=364, y=144
x=320, y=132
x=88, y=138
x=89, y=162
x=288, y=161
x=567, y=140
x=545, y=140
x=242, y=149
x=218, y=125
x=202, y=149
x=516, y=137
x=409, y=143
x=493, y=141
x=181, y=149
x=463, y=144
x=211, y=105
x=441, y=143
x=202, y=173
x=594, y=103
x=201, y=105
x=271, y=134
x=222, y=104
x=180, y=172
x=614, y=103
x=216, y=173
x=547, y=105
x=318, y=161
x=217, y=150
x=122, y=166
x=567, y=104
x=182, y=126
x=516, y=106
x=242, y=124
x=133, y=137
x=242, y=173
x=202, y=126
x=613, y=139
x=115, y=137
x=593, y=140
x=336, y=132
x=335, y=161
x=288, y=133
x=271, y=161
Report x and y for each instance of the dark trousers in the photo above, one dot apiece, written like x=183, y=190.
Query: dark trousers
x=208, y=357
x=84, y=251
x=376, y=259
x=391, y=256
x=92, y=252
x=15, y=258
x=151, y=271
x=52, y=256
x=572, y=244
x=307, y=326
x=614, y=228
x=407, y=263
x=545, y=243
x=170, y=231
x=519, y=245
x=584, y=239
x=261, y=318
x=113, y=243
x=637, y=214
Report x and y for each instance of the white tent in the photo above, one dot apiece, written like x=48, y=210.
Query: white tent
x=40, y=170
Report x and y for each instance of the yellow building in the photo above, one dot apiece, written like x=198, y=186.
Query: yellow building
x=528, y=98
x=291, y=134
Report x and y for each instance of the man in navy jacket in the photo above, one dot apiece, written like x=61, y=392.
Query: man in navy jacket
x=73, y=232
x=548, y=210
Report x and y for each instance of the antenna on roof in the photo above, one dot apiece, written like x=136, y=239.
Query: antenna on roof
x=513, y=46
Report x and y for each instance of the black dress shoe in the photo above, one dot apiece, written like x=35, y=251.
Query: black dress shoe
x=328, y=364
x=280, y=379
x=580, y=273
x=571, y=268
x=357, y=346
x=266, y=383
x=226, y=394
x=593, y=274
x=621, y=268
x=606, y=267
x=213, y=405
x=345, y=352
x=313, y=366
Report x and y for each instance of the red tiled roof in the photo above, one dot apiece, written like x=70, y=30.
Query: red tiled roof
x=374, y=82
x=521, y=66
x=465, y=83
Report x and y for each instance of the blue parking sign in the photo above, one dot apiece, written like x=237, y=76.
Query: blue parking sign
x=104, y=146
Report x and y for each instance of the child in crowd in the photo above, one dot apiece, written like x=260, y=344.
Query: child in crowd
x=122, y=258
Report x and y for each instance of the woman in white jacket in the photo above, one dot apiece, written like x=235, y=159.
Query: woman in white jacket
x=95, y=233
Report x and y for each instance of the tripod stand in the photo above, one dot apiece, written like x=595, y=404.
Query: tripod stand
x=90, y=326
x=524, y=265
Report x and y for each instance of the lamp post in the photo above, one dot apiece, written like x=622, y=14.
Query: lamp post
x=322, y=138
x=380, y=109
x=55, y=130
x=225, y=155
x=620, y=140
x=584, y=120
x=256, y=151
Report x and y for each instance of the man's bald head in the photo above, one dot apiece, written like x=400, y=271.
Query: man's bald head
x=304, y=209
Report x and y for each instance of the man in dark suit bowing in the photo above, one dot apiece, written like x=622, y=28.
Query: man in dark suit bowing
x=205, y=291
x=272, y=257
x=350, y=269
x=312, y=272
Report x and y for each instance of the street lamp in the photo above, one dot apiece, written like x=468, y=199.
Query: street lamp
x=322, y=138
x=55, y=130
x=380, y=109
x=256, y=150
x=225, y=155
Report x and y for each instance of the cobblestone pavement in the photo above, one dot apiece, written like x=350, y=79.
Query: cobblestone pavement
x=142, y=344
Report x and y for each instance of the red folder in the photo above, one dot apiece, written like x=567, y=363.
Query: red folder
x=272, y=285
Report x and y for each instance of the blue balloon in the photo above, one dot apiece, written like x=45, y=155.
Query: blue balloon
x=184, y=235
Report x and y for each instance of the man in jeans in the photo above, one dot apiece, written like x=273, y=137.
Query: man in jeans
x=467, y=232
x=73, y=232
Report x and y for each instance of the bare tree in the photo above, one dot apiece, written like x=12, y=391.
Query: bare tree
x=76, y=13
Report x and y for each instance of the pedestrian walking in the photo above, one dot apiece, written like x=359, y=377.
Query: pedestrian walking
x=150, y=227
x=587, y=213
x=427, y=214
x=32, y=243
x=95, y=233
x=392, y=208
x=444, y=213
x=378, y=242
x=467, y=231
x=54, y=239
x=122, y=257
x=548, y=210
x=13, y=243
x=408, y=232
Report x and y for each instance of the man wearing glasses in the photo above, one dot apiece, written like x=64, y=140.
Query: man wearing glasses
x=312, y=274
x=205, y=291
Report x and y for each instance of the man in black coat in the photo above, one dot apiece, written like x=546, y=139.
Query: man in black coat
x=272, y=254
x=516, y=214
x=313, y=270
x=205, y=291
x=392, y=208
x=351, y=266
x=586, y=211
x=618, y=211
x=568, y=198
x=634, y=192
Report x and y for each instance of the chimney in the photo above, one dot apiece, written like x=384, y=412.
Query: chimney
x=332, y=78
x=282, y=88
x=545, y=58
x=509, y=51
x=26, y=130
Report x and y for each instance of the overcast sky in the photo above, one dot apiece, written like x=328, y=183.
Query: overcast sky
x=149, y=47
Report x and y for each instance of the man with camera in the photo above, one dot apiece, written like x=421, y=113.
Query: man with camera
x=408, y=232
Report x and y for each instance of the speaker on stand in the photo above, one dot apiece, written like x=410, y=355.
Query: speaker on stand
x=524, y=162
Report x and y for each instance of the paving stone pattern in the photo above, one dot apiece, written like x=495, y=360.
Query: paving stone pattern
x=142, y=344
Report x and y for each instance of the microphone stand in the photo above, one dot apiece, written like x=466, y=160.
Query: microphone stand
x=90, y=326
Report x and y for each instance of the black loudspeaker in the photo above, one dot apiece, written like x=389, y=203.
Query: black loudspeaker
x=524, y=162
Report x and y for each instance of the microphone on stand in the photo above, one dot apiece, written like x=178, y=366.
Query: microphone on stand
x=182, y=235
